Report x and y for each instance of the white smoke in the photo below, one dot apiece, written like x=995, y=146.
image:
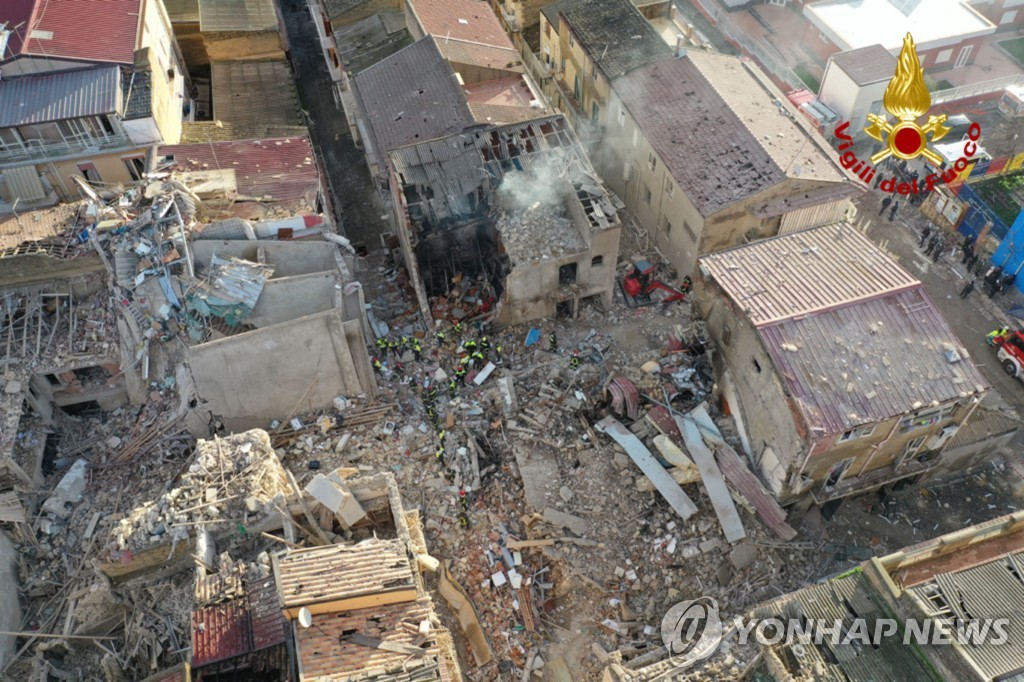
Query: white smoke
x=547, y=184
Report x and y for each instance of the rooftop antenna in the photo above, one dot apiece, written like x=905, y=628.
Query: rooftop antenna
x=306, y=621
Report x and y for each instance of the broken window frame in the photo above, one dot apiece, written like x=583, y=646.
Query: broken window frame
x=670, y=188
x=926, y=418
x=857, y=433
x=652, y=161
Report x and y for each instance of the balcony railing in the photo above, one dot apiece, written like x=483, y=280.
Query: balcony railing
x=873, y=479
x=35, y=151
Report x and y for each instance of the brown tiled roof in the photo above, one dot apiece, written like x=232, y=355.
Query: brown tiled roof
x=220, y=632
x=470, y=20
x=721, y=128
x=324, y=656
x=336, y=573
x=463, y=52
x=866, y=65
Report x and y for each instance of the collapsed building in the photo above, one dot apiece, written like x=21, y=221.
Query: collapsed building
x=516, y=209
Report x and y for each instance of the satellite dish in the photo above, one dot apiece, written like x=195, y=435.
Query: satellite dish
x=305, y=617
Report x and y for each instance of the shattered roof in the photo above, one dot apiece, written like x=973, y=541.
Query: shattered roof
x=56, y=96
x=325, y=655
x=227, y=16
x=240, y=93
x=722, y=129
x=612, y=32
x=834, y=600
x=866, y=65
x=804, y=272
x=994, y=589
x=237, y=627
x=68, y=29
x=411, y=96
x=281, y=170
x=852, y=335
x=338, y=572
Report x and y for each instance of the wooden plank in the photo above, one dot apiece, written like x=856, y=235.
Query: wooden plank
x=526, y=544
x=669, y=489
x=728, y=517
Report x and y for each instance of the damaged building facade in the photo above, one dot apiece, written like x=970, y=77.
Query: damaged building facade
x=708, y=154
x=83, y=110
x=844, y=375
x=517, y=209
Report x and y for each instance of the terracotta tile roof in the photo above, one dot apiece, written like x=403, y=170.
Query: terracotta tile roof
x=68, y=28
x=234, y=628
x=220, y=632
x=338, y=572
x=470, y=20
x=866, y=65
x=15, y=13
x=705, y=116
x=323, y=658
x=612, y=32
x=804, y=272
x=282, y=170
x=464, y=52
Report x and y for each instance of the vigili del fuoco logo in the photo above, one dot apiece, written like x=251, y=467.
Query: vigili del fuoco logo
x=907, y=99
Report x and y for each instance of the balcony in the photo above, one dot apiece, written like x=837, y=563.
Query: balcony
x=35, y=151
x=874, y=479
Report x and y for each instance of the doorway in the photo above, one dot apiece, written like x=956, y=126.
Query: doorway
x=965, y=54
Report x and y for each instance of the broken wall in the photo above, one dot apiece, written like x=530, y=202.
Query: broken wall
x=10, y=609
x=290, y=297
x=532, y=290
x=288, y=257
x=300, y=365
x=764, y=404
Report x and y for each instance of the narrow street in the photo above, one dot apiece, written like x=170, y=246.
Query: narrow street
x=348, y=179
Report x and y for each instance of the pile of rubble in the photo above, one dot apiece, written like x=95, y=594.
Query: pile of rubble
x=538, y=233
x=230, y=481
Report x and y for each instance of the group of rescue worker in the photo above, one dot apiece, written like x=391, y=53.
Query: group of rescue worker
x=469, y=353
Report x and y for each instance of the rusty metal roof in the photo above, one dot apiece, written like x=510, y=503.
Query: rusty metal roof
x=870, y=360
x=804, y=272
x=282, y=170
x=94, y=31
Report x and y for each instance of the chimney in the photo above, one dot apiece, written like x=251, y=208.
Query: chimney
x=680, y=45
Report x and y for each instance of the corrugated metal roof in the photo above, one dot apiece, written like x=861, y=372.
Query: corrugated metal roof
x=93, y=31
x=323, y=574
x=831, y=601
x=994, y=589
x=717, y=129
x=255, y=93
x=23, y=183
x=182, y=10
x=220, y=632
x=870, y=360
x=804, y=272
x=866, y=65
x=61, y=95
x=282, y=170
x=237, y=15
x=410, y=97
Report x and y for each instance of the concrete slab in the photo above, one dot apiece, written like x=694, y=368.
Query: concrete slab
x=714, y=483
x=642, y=457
